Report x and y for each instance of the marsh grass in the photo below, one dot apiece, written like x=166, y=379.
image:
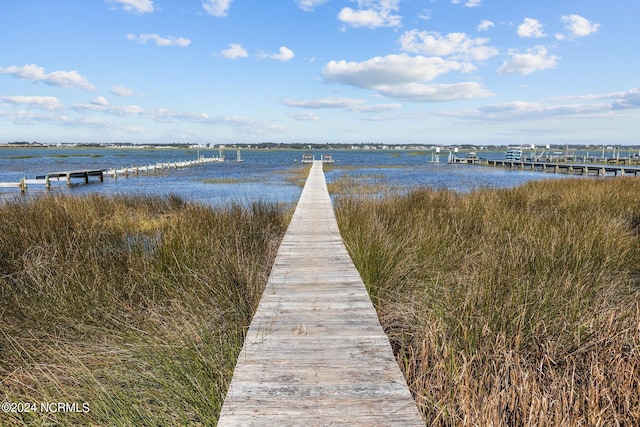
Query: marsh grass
x=508, y=307
x=297, y=176
x=135, y=305
x=355, y=185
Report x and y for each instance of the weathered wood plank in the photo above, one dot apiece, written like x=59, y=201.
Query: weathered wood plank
x=315, y=353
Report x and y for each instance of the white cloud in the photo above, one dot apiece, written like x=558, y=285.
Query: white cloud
x=235, y=51
x=485, y=25
x=49, y=103
x=624, y=100
x=135, y=6
x=284, y=54
x=403, y=77
x=454, y=45
x=35, y=73
x=124, y=91
x=219, y=8
x=372, y=14
x=388, y=70
x=159, y=40
x=309, y=5
x=420, y=92
x=579, y=26
x=101, y=101
x=531, y=28
x=534, y=59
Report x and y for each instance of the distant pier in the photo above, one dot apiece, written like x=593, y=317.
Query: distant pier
x=85, y=174
x=570, y=168
x=555, y=167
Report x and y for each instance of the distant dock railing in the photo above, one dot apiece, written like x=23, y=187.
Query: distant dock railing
x=570, y=168
x=309, y=158
x=85, y=174
x=555, y=167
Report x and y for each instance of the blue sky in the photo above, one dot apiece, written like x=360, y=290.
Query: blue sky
x=340, y=71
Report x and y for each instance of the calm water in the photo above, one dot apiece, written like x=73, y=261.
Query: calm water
x=261, y=176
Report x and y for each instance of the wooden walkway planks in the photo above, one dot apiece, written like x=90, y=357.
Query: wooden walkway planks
x=315, y=353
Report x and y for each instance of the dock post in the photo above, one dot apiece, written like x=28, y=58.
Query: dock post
x=23, y=184
x=47, y=182
x=69, y=179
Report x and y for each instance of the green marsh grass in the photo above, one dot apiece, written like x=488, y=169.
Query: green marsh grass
x=136, y=306
x=511, y=306
x=297, y=176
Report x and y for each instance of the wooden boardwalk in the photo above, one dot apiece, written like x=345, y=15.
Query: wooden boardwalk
x=315, y=353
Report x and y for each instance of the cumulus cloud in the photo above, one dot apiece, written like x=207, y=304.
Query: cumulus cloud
x=531, y=28
x=35, y=73
x=534, y=59
x=124, y=91
x=405, y=77
x=420, y=92
x=284, y=54
x=49, y=103
x=235, y=51
x=309, y=5
x=135, y=6
x=454, y=45
x=388, y=70
x=485, y=25
x=579, y=26
x=159, y=40
x=372, y=14
x=218, y=8
x=101, y=101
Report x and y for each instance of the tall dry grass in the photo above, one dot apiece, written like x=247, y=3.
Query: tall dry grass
x=509, y=307
x=136, y=306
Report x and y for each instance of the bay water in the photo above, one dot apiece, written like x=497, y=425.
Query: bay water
x=263, y=175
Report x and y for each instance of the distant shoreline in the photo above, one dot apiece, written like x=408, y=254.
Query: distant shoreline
x=268, y=146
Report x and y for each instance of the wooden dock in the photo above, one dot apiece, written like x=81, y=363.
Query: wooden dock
x=560, y=167
x=315, y=353
x=83, y=174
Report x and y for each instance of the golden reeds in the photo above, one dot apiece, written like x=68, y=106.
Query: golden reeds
x=509, y=307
